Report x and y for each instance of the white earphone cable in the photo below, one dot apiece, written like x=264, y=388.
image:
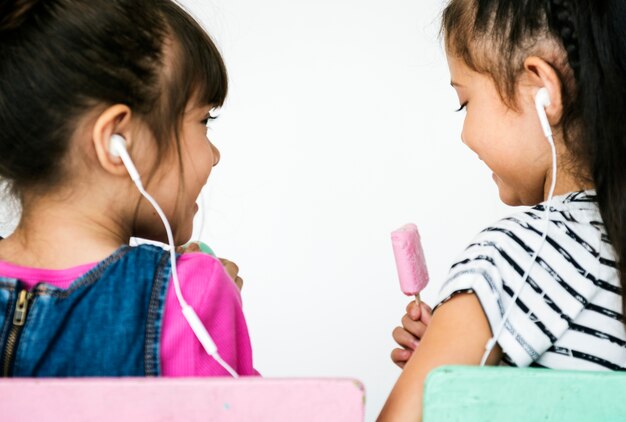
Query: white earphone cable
x=191, y=316
x=546, y=218
x=202, y=216
x=117, y=147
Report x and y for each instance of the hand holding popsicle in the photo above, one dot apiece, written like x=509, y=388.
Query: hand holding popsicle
x=408, y=336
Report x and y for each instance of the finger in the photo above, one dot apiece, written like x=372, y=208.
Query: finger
x=400, y=356
x=239, y=282
x=417, y=328
x=413, y=310
x=190, y=247
x=404, y=338
x=426, y=313
x=231, y=268
x=193, y=247
x=229, y=264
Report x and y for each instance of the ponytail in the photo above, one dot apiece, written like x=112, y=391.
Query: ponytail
x=593, y=36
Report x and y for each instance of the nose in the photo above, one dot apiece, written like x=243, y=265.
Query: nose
x=216, y=155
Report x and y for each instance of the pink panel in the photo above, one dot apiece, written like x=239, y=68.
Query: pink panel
x=190, y=399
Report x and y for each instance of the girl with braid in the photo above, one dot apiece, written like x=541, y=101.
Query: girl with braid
x=542, y=287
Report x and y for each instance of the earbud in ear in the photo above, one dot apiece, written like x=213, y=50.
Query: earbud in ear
x=542, y=100
x=117, y=144
x=117, y=148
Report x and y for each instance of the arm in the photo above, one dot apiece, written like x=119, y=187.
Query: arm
x=456, y=335
x=210, y=291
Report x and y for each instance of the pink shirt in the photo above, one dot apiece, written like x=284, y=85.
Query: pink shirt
x=211, y=293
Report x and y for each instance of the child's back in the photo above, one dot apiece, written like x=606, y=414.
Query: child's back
x=120, y=317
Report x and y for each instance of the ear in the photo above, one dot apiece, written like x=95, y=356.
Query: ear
x=114, y=120
x=540, y=74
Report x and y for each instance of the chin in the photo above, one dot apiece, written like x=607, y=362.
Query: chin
x=183, y=236
x=509, y=198
x=180, y=237
x=515, y=199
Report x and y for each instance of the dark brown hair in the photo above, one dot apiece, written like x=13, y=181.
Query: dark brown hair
x=62, y=58
x=585, y=42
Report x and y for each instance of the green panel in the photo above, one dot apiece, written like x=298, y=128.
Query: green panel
x=458, y=393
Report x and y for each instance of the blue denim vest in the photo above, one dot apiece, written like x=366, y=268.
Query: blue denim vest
x=107, y=323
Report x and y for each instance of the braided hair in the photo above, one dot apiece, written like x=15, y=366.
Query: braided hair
x=561, y=17
x=585, y=42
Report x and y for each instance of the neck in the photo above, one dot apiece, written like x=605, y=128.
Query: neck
x=58, y=234
x=571, y=176
x=564, y=185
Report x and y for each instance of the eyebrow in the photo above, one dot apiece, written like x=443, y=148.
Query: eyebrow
x=456, y=84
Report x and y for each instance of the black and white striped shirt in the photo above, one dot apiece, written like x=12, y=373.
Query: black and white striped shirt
x=569, y=313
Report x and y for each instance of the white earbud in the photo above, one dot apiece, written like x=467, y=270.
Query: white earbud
x=117, y=143
x=117, y=148
x=542, y=100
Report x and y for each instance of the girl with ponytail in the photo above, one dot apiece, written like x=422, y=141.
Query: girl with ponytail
x=542, y=287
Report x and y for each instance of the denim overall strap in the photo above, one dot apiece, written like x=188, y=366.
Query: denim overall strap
x=107, y=323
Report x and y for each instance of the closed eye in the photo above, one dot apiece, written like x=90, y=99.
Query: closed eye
x=207, y=119
x=463, y=106
x=210, y=116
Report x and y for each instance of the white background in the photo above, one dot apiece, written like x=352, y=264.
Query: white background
x=339, y=128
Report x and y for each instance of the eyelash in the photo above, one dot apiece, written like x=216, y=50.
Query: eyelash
x=208, y=119
x=462, y=107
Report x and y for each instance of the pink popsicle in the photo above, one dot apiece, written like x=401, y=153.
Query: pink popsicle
x=410, y=260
